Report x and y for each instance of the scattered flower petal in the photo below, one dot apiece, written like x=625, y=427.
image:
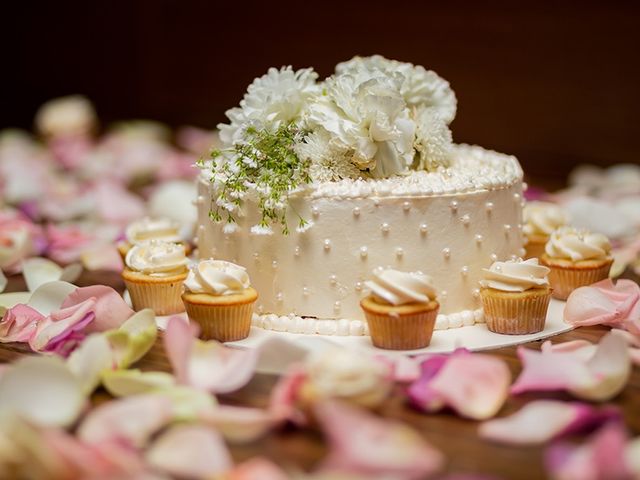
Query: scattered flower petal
x=111, y=310
x=604, y=456
x=50, y=296
x=361, y=443
x=123, y=383
x=598, y=378
x=542, y=420
x=90, y=360
x=190, y=451
x=134, y=338
x=474, y=385
x=240, y=424
x=207, y=365
x=131, y=420
x=19, y=323
x=102, y=257
x=257, y=468
x=3, y=281
x=37, y=271
x=42, y=390
x=188, y=403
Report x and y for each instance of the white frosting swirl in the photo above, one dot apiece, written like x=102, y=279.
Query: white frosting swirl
x=338, y=373
x=398, y=288
x=515, y=275
x=217, y=277
x=568, y=242
x=542, y=218
x=158, y=259
x=147, y=228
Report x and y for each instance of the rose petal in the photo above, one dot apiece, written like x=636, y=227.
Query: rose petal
x=134, y=338
x=43, y=390
x=37, y=271
x=190, y=451
x=258, y=468
x=123, y=383
x=598, y=378
x=474, y=385
x=603, y=456
x=90, y=360
x=540, y=421
x=19, y=324
x=131, y=420
x=284, y=396
x=188, y=403
x=404, y=369
x=240, y=424
x=361, y=443
x=58, y=329
x=3, y=281
x=50, y=296
x=102, y=257
x=207, y=365
x=111, y=310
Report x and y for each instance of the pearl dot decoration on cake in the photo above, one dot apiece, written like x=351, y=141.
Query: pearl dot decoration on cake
x=399, y=252
x=423, y=229
x=478, y=238
x=337, y=306
x=279, y=297
x=493, y=257
x=274, y=264
x=443, y=295
x=516, y=197
x=305, y=291
x=507, y=229
x=513, y=257
x=446, y=252
x=464, y=271
x=454, y=205
x=364, y=251
x=314, y=211
x=465, y=219
x=296, y=251
x=356, y=211
x=488, y=207
x=326, y=245
x=376, y=202
x=333, y=280
x=256, y=256
x=406, y=206
x=385, y=227
x=475, y=293
x=358, y=286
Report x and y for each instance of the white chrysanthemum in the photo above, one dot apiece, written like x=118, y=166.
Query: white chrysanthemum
x=272, y=100
x=366, y=115
x=328, y=161
x=433, y=140
x=420, y=87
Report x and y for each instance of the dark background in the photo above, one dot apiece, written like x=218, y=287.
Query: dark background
x=555, y=83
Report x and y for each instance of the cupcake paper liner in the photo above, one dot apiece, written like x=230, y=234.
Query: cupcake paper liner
x=401, y=332
x=515, y=316
x=566, y=280
x=534, y=249
x=225, y=323
x=162, y=298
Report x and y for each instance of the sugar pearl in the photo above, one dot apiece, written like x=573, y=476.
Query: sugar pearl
x=356, y=211
x=446, y=252
x=327, y=244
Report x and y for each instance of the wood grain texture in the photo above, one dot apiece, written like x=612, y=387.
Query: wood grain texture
x=455, y=437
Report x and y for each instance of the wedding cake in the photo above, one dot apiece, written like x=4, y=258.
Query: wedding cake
x=320, y=182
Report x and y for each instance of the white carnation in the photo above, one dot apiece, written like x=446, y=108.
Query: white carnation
x=276, y=98
x=419, y=88
x=433, y=140
x=366, y=115
x=328, y=161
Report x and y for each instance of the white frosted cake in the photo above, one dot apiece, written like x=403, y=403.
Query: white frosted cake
x=321, y=182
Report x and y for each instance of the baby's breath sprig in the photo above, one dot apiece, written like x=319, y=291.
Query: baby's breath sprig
x=264, y=162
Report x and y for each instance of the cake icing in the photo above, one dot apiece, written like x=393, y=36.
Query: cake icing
x=568, y=242
x=217, y=277
x=515, y=275
x=372, y=179
x=157, y=258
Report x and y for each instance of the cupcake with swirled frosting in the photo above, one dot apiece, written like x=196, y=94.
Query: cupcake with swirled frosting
x=147, y=229
x=219, y=298
x=576, y=258
x=154, y=272
x=541, y=219
x=515, y=296
x=401, y=309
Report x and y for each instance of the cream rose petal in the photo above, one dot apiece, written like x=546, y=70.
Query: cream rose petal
x=90, y=360
x=240, y=424
x=190, y=451
x=134, y=338
x=37, y=271
x=123, y=383
x=49, y=297
x=42, y=390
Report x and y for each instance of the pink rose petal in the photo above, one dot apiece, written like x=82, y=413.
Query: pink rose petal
x=66, y=243
x=240, y=424
x=361, y=443
x=207, y=365
x=115, y=204
x=257, y=468
x=603, y=457
x=404, y=369
x=19, y=324
x=284, y=395
x=542, y=420
x=131, y=420
x=599, y=377
x=190, y=451
x=111, y=310
x=474, y=385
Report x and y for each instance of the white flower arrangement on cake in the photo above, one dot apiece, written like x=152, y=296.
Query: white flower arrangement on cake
x=374, y=118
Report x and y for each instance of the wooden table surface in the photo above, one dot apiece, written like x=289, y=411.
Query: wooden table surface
x=455, y=437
